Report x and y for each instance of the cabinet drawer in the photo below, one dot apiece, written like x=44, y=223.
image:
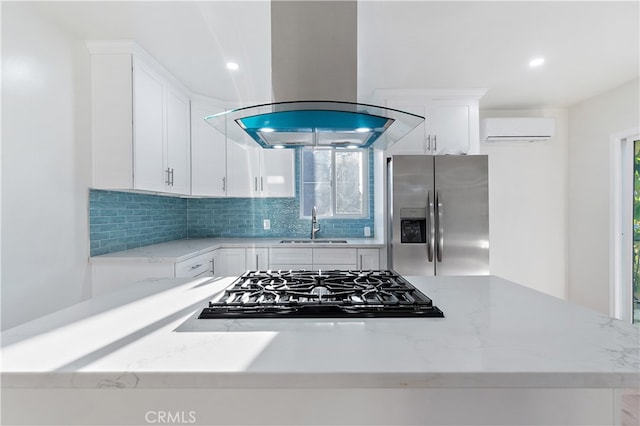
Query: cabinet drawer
x=327, y=256
x=291, y=256
x=195, y=266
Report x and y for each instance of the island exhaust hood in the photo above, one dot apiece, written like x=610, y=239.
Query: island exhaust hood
x=314, y=82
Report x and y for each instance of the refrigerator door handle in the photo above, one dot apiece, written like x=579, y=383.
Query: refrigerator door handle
x=431, y=238
x=439, y=228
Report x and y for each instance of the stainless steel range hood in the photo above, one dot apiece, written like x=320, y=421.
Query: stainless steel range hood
x=314, y=82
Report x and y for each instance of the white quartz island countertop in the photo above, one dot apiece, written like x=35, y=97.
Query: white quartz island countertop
x=495, y=334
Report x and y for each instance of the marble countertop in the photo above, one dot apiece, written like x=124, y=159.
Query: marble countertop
x=179, y=250
x=495, y=334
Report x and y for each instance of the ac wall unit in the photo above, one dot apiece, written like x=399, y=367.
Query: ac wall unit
x=517, y=129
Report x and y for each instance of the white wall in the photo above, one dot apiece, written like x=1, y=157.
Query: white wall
x=527, y=206
x=45, y=166
x=591, y=124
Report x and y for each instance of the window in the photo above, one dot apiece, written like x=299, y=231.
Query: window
x=635, y=285
x=625, y=227
x=336, y=182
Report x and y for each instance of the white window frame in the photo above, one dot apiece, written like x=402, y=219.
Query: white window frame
x=621, y=225
x=365, y=191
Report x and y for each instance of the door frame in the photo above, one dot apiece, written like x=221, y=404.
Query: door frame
x=621, y=223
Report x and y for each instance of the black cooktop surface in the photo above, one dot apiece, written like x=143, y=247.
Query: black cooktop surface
x=320, y=294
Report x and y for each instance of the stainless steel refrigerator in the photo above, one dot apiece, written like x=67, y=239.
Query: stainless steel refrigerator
x=438, y=214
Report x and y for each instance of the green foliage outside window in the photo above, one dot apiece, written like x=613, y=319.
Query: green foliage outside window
x=636, y=220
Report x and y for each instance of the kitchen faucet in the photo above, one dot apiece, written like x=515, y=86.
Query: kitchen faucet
x=315, y=226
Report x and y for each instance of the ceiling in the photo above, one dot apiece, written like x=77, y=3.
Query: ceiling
x=589, y=47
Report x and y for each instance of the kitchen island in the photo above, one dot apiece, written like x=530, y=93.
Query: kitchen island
x=503, y=354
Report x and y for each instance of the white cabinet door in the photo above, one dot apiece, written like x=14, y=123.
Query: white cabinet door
x=195, y=267
x=449, y=127
x=413, y=142
x=257, y=259
x=334, y=256
x=243, y=163
x=148, y=130
x=177, y=155
x=451, y=124
x=208, y=153
x=277, y=173
x=140, y=122
x=290, y=258
x=229, y=262
x=368, y=259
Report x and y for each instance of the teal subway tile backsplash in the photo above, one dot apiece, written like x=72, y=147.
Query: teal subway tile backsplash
x=243, y=217
x=121, y=220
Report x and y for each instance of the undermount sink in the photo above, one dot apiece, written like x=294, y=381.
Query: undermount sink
x=313, y=241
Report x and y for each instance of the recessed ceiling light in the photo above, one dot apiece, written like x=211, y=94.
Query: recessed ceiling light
x=232, y=66
x=267, y=130
x=536, y=62
x=278, y=146
x=363, y=129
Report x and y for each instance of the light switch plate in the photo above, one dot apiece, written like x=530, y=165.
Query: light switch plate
x=266, y=224
x=367, y=231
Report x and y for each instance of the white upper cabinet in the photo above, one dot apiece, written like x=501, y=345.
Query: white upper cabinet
x=451, y=123
x=208, y=152
x=177, y=158
x=140, y=122
x=256, y=172
x=277, y=173
x=244, y=164
x=148, y=130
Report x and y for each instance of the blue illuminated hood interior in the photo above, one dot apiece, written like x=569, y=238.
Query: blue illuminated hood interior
x=319, y=124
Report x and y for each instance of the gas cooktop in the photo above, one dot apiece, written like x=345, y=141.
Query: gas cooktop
x=320, y=294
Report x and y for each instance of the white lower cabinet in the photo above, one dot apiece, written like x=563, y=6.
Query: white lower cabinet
x=257, y=259
x=113, y=273
x=290, y=258
x=324, y=258
x=368, y=259
x=330, y=258
x=108, y=276
x=229, y=262
x=199, y=266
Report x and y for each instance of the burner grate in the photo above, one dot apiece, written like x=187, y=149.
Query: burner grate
x=321, y=294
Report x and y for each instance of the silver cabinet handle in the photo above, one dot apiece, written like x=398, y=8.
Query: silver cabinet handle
x=261, y=184
x=224, y=184
x=440, y=228
x=196, y=266
x=255, y=184
x=169, y=180
x=257, y=262
x=213, y=266
x=431, y=238
x=428, y=143
x=361, y=266
x=435, y=143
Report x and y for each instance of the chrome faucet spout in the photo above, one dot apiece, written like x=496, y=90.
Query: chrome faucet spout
x=315, y=226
